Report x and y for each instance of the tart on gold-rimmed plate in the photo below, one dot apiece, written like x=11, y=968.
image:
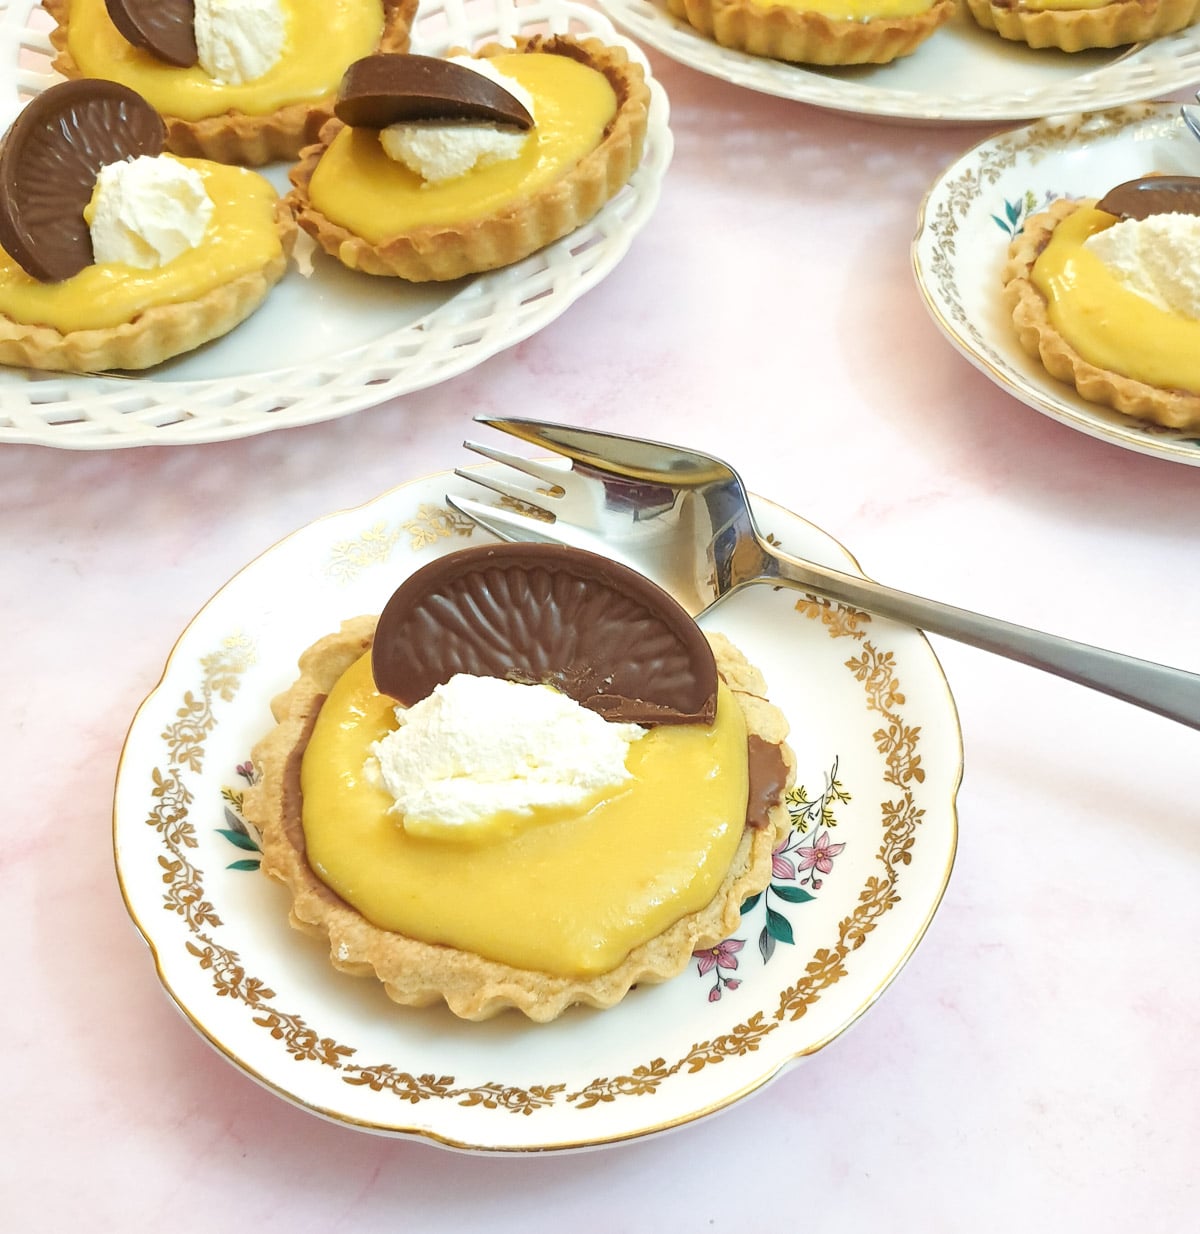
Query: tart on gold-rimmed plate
x=981, y=201
x=336, y=342
x=521, y=916
x=961, y=73
x=855, y=882
x=1138, y=356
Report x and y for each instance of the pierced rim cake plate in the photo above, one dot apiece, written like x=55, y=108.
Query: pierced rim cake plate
x=855, y=884
x=339, y=341
x=960, y=74
x=980, y=201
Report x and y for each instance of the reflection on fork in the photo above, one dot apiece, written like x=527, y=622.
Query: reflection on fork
x=683, y=519
x=1191, y=116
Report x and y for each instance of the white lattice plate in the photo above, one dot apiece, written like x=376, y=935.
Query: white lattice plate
x=978, y=203
x=879, y=759
x=339, y=341
x=962, y=73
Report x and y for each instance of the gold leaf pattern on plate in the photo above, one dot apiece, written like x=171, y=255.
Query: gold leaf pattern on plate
x=185, y=737
x=185, y=742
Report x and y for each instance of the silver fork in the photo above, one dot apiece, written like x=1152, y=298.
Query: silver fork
x=683, y=519
x=1191, y=116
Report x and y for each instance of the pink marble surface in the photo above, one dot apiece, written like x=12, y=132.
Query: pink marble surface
x=1034, y=1064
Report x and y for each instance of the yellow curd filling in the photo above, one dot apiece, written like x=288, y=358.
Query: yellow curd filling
x=241, y=238
x=357, y=185
x=1108, y=325
x=853, y=10
x=569, y=893
x=323, y=38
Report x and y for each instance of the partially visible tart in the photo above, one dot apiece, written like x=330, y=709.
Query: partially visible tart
x=1086, y=328
x=1076, y=25
x=377, y=215
x=115, y=255
x=107, y=317
x=256, y=122
x=818, y=31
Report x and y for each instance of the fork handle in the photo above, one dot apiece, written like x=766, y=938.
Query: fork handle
x=1169, y=692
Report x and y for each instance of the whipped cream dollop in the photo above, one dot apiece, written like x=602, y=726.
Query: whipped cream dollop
x=1157, y=258
x=239, y=40
x=146, y=211
x=479, y=746
x=443, y=150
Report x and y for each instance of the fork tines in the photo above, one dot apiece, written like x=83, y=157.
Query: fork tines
x=549, y=473
x=505, y=524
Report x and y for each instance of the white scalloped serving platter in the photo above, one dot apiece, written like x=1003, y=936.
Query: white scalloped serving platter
x=338, y=341
x=960, y=74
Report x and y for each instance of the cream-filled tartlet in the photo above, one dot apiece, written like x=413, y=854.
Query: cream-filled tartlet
x=529, y=832
x=1076, y=25
x=817, y=31
x=1107, y=296
x=236, y=81
x=473, y=175
x=114, y=254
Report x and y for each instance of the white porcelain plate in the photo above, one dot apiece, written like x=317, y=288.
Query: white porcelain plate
x=856, y=884
x=980, y=201
x=961, y=73
x=338, y=341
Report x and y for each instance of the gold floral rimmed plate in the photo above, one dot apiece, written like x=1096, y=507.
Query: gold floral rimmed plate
x=976, y=206
x=855, y=884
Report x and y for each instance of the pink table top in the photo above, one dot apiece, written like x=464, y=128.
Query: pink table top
x=1035, y=1060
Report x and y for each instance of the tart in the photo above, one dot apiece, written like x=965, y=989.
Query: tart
x=260, y=121
x=574, y=910
x=376, y=215
x=1075, y=25
x=1075, y=316
x=817, y=31
x=60, y=309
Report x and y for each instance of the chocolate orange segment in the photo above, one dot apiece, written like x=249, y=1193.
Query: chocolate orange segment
x=387, y=89
x=1148, y=195
x=601, y=633
x=164, y=28
x=48, y=166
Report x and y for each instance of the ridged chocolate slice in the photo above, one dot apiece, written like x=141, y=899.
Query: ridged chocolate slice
x=48, y=165
x=164, y=28
x=1139, y=199
x=386, y=89
x=601, y=633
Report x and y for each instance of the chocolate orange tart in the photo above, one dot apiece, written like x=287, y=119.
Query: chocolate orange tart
x=375, y=212
x=1104, y=294
x=196, y=246
x=149, y=46
x=566, y=900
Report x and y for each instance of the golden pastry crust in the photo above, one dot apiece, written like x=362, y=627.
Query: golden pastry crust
x=157, y=333
x=781, y=32
x=415, y=973
x=1170, y=408
x=1111, y=25
x=235, y=136
x=449, y=251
